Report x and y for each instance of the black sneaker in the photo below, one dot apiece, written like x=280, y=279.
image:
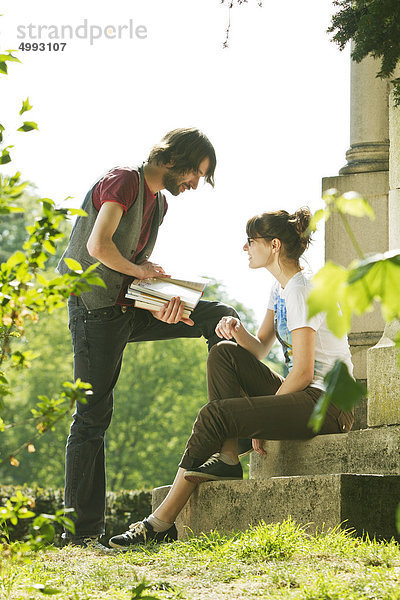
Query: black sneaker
x=214, y=470
x=91, y=543
x=244, y=447
x=142, y=533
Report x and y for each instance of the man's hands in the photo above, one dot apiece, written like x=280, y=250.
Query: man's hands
x=258, y=446
x=227, y=327
x=172, y=312
x=148, y=270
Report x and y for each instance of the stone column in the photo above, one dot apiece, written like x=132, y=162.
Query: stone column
x=369, y=120
x=366, y=172
x=383, y=366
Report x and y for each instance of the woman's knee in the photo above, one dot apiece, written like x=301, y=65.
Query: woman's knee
x=224, y=350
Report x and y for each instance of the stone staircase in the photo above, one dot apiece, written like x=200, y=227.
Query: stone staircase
x=352, y=479
x=316, y=482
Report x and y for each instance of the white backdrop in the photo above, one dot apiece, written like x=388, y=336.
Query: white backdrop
x=274, y=104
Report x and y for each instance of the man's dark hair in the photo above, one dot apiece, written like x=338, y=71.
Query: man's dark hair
x=185, y=149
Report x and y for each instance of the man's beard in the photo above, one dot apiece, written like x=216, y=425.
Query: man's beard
x=171, y=182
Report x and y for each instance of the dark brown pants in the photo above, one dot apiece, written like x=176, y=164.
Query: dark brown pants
x=243, y=404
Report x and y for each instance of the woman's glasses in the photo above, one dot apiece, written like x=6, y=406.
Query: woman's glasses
x=250, y=240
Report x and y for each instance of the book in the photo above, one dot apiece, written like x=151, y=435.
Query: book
x=152, y=294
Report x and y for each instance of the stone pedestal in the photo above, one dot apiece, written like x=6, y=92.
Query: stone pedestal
x=368, y=451
x=365, y=503
x=366, y=172
x=372, y=236
x=384, y=380
x=383, y=364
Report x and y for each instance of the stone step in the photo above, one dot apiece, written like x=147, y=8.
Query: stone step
x=367, y=451
x=365, y=503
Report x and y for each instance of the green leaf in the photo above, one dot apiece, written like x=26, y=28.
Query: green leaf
x=77, y=211
x=5, y=156
x=16, y=259
x=3, y=61
x=28, y=126
x=95, y=280
x=322, y=213
x=328, y=295
x=25, y=106
x=73, y=264
x=42, y=280
x=49, y=246
x=24, y=513
x=329, y=196
x=376, y=278
x=9, y=57
x=1, y=132
x=352, y=203
x=68, y=524
x=341, y=389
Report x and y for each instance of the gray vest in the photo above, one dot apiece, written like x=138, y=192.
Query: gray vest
x=126, y=238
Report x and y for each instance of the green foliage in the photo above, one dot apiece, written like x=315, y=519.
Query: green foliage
x=25, y=291
x=275, y=541
x=122, y=508
x=25, y=106
x=326, y=565
x=28, y=126
x=374, y=27
x=4, y=58
x=156, y=403
x=340, y=292
x=341, y=389
x=42, y=530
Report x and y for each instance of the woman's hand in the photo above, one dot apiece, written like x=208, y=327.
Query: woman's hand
x=258, y=446
x=227, y=327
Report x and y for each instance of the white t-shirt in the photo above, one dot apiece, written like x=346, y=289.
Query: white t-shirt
x=289, y=305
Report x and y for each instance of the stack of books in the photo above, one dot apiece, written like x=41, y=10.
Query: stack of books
x=152, y=294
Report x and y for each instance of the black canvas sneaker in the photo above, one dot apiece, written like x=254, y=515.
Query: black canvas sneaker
x=90, y=543
x=214, y=470
x=244, y=447
x=142, y=533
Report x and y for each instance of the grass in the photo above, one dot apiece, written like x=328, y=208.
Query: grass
x=275, y=561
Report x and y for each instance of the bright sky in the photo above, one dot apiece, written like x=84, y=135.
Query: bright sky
x=275, y=104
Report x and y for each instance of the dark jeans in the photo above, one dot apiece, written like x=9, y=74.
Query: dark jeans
x=243, y=404
x=99, y=338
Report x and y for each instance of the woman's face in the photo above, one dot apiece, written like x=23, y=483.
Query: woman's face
x=259, y=251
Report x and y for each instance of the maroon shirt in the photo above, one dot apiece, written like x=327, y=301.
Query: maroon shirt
x=121, y=185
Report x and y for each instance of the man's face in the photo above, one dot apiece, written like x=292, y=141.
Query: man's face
x=176, y=183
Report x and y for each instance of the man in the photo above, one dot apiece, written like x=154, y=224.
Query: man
x=125, y=209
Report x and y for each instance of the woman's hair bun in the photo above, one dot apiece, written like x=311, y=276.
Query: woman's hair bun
x=301, y=219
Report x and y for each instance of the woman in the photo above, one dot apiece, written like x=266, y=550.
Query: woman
x=246, y=398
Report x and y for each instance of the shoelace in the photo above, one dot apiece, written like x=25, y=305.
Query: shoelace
x=136, y=529
x=212, y=460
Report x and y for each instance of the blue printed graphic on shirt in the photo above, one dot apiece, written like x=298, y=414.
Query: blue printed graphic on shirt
x=282, y=332
x=284, y=336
